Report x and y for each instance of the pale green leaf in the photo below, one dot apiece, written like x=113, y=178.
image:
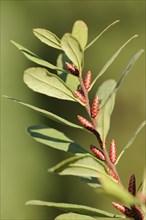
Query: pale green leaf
x=47, y=114
x=74, y=216
x=40, y=80
x=80, y=209
x=92, y=182
x=80, y=32
x=82, y=166
x=71, y=81
x=94, y=40
x=111, y=60
x=33, y=57
x=55, y=139
x=131, y=140
x=48, y=38
x=103, y=119
x=116, y=192
x=123, y=75
x=72, y=49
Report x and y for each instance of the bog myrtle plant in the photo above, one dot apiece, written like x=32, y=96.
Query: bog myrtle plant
x=96, y=166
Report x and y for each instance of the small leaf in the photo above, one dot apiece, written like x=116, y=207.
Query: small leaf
x=80, y=32
x=48, y=38
x=80, y=209
x=42, y=81
x=55, y=139
x=103, y=120
x=93, y=41
x=47, y=114
x=74, y=216
x=82, y=166
x=116, y=192
x=72, y=49
x=111, y=60
x=131, y=140
x=33, y=57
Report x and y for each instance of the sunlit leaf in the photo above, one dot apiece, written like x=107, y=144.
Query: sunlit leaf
x=82, y=166
x=95, y=39
x=111, y=60
x=72, y=49
x=48, y=38
x=131, y=140
x=74, y=216
x=103, y=119
x=33, y=57
x=116, y=192
x=55, y=139
x=42, y=81
x=80, y=32
x=80, y=209
x=71, y=81
x=47, y=114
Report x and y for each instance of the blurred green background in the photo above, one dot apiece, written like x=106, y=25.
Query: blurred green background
x=24, y=162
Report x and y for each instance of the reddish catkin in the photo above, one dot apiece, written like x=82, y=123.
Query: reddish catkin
x=88, y=80
x=137, y=213
x=72, y=69
x=126, y=211
x=86, y=123
x=80, y=96
x=132, y=185
x=95, y=107
x=112, y=153
x=98, y=153
x=112, y=173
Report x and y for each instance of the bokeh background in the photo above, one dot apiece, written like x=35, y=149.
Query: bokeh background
x=24, y=162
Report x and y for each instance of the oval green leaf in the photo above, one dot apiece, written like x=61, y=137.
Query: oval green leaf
x=48, y=38
x=82, y=166
x=72, y=49
x=80, y=32
x=42, y=81
x=55, y=139
x=74, y=216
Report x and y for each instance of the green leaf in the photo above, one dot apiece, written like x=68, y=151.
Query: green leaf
x=131, y=140
x=33, y=57
x=92, y=182
x=71, y=81
x=48, y=38
x=72, y=49
x=82, y=166
x=47, y=114
x=80, y=32
x=55, y=139
x=74, y=216
x=111, y=60
x=123, y=75
x=103, y=119
x=40, y=80
x=80, y=209
x=116, y=192
x=93, y=41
